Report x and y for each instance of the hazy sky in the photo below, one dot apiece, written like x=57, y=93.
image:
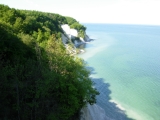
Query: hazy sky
x=97, y=11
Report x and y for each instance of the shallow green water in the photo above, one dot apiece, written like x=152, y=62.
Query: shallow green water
x=127, y=58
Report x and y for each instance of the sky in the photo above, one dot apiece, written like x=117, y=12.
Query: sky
x=96, y=11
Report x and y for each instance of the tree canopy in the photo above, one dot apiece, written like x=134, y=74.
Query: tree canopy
x=39, y=80
x=76, y=25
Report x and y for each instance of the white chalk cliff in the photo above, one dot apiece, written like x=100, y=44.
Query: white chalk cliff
x=72, y=33
x=93, y=112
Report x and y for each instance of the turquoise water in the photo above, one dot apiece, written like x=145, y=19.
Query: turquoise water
x=125, y=64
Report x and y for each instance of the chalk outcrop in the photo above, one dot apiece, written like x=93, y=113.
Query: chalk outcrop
x=93, y=112
x=72, y=34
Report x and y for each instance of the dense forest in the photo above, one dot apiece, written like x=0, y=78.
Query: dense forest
x=39, y=80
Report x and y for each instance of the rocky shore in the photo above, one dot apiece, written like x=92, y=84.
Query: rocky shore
x=71, y=36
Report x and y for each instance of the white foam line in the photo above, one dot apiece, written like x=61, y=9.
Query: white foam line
x=117, y=105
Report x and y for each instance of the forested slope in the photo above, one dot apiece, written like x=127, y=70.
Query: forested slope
x=39, y=80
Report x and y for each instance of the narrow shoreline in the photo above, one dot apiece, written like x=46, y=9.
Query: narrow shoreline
x=117, y=104
x=93, y=112
x=97, y=112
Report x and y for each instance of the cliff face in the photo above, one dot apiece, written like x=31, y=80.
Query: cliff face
x=71, y=36
x=93, y=112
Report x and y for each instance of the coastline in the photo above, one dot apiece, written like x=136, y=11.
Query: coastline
x=117, y=104
x=105, y=108
x=77, y=43
x=93, y=112
x=122, y=66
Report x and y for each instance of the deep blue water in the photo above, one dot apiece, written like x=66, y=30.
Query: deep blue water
x=125, y=64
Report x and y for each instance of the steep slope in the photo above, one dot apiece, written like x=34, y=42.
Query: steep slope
x=39, y=79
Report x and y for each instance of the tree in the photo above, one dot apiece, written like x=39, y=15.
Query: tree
x=38, y=78
x=18, y=25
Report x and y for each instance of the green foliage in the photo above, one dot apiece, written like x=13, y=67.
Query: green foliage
x=76, y=25
x=38, y=79
x=70, y=20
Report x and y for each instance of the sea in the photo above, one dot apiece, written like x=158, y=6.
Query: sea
x=124, y=61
